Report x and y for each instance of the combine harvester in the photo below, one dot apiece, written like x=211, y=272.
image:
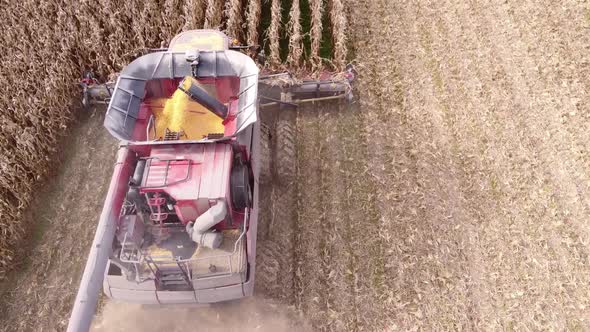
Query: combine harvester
x=179, y=220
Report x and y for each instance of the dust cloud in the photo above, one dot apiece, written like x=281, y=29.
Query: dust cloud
x=251, y=314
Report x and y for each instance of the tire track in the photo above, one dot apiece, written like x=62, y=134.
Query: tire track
x=311, y=283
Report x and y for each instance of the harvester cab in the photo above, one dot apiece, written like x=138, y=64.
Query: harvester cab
x=180, y=218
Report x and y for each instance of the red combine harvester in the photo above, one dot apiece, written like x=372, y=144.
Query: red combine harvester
x=180, y=218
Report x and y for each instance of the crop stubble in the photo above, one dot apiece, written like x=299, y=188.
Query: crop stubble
x=457, y=198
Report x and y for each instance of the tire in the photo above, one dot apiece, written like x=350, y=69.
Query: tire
x=285, y=153
x=265, y=174
x=275, y=265
x=240, y=187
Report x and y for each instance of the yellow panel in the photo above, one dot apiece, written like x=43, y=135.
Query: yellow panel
x=180, y=114
x=212, y=42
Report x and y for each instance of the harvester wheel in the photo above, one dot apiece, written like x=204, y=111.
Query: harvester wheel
x=265, y=174
x=240, y=186
x=285, y=153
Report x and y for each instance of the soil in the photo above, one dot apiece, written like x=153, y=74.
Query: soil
x=453, y=194
x=251, y=314
x=63, y=218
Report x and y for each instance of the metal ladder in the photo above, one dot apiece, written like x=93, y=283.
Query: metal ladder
x=172, y=277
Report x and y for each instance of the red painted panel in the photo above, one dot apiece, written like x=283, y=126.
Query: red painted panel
x=194, y=175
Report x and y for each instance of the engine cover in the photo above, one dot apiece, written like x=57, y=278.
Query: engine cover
x=194, y=175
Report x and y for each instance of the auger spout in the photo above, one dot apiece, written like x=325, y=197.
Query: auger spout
x=91, y=284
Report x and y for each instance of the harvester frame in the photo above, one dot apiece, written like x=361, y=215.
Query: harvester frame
x=179, y=192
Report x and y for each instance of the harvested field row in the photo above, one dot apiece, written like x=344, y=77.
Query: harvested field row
x=458, y=197
x=47, y=53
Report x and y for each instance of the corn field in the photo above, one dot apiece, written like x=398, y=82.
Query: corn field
x=452, y=194
x=49, y=44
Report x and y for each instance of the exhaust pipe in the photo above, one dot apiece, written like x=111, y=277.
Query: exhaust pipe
x=200, y=232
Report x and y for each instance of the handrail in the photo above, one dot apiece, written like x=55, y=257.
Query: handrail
x=141, y=258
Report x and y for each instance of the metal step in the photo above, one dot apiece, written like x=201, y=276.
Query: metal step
x=174, y=283
x=172, y=277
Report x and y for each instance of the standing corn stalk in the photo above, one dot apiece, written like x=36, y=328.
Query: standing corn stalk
x=172, y=19
x=31, y=124
x=294, y=28
x=253, y=17
x=316, y=9
x=150, y=17
x=338, y=20
x=233, y=12
x=194, y=14
x=213, y=14
x=274, y=33
x=134, y=27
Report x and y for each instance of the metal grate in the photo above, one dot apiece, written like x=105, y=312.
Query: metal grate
x=157, y=176
x=172, y=135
